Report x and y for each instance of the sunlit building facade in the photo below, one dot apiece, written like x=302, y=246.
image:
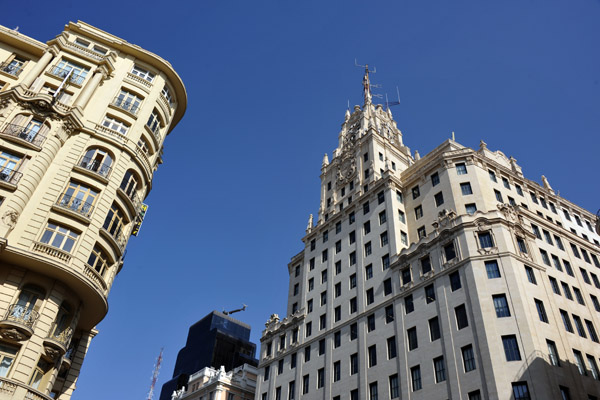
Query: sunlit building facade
x=447, y=276
x=83, y=118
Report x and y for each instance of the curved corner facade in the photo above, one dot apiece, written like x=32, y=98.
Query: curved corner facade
x=82, y=124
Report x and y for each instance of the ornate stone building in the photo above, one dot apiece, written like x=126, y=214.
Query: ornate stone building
x=217, y=384
x=82, y=124
x=447, y=276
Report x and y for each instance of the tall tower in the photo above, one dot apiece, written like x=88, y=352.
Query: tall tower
x=82, y=124
x=444, y=276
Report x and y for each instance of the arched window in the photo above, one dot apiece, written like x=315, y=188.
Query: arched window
x=130, y=183
x=99, y=260
x=28, y=303
x=144, y=146
x=79, y=198
x=155, y=122
x=97, y=160
x=115, y=221
x=63, y=321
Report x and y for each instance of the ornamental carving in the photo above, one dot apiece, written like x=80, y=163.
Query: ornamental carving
x=12, y=334
x=10, y=218
x=445, y=219
x=41, y=108
x=272, y=321
x=51, y=353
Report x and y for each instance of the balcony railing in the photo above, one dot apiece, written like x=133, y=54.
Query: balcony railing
x=9, y=175
x=62, y=73
x=11, y=68
x=22, y=132
x=117, y=235
x=93, y=165
x=137, y=204
x=61, y=336
x=74, y=204
x=21, y=315
x=128, y=106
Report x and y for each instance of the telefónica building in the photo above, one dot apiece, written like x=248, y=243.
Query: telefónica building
x=82, y=124
x=447, y=276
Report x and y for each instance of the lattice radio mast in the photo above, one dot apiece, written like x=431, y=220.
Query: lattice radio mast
x=155, y=374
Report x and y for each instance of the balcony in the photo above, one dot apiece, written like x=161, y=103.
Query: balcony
x=132, y=199
x=95, y=277
x=23, y=134
x=18, y=322
x=61, y=73
x=75, y=205
x=9, y=175
x=155, y=133
x=94, y=166
x=11, y=68
x=58, y=340
x=131, y=108
x=116, y=236
x=11, y=389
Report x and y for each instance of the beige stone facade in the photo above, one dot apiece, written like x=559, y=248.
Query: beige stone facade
x=447, y=276
x=213, y=384
x=82, y=124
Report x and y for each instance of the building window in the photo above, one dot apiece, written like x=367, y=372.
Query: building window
x=352, y=281
x=429, y=293
x=75, y=72
x=439, y=199
x=380, y=198
x=505, y=183
x=450, y=251
x=354, y=364
x=468, y=358
x=404, y=238
x=382, y=217
x=461, y=169
x=370, y=295
x=371, y=323
x=305, y=384
x=492, y=269
x=421, y=232
x=353, y=305
x=115, y=125
x=593, y=367
x=455, y=281
x=485, y=240
x=435, y=179
x=539, y=305
x=383, y=238
x=579, y=326
x=352, y=237
x=545, y=257
x=394, y=386
x=337, y=371
x=387, y=287
x=554, y=285
x=351, y=218
x=466, y=189
x=579, y=362
x=338, y=267
x=567, y=291
x=530, y=275
x=492, y=176
x=566, y=321
x=293, y=360
x=434, y=329
x=128, y=101
x=511, y=348
x=413, y=341
x=324, y=255
x=142, y=73
x=323, y=276
x=322, y=321
x=461, y=316
x=553, y=353
x=311, y=284
x=337, y=314
x=470, y=208
x=366, y=208
x=59, y=237
x=425, y=265
x=409, y=305
x=520, y=391
x=311, y=264
x=578, y=296
x=498, y=196
x=352, y=257
x=474, y=395
x=521, y=245
x=591, y=331
x=308, y=328
x=415, y=192
x=501, y=305
x=8, y=353
x=373, y=391
x=321, y=347
x=323, y=298
x=99, y=261
x=337, y=290
x=353, y=331
x=325, y=236
x=440, y=369
x=415, y=375
x=401, y=216
x=368, y=249
x=418, y=212
x=385, y=262
x=372, y=356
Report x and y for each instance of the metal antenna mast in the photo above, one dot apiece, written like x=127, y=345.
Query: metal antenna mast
x=155, y=374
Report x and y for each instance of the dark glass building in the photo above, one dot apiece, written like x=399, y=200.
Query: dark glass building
x=214, y=341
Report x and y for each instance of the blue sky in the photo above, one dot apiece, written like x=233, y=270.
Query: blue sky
x=268, y=84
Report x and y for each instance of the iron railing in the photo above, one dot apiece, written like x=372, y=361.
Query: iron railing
x=22, y=132
x=62, y=73
x=11, y=68
x=21, y=315
x=137, y=204
x=9, y=175
x=126, y=105
x=93, y=165
x=74, y=204
x=62, y=336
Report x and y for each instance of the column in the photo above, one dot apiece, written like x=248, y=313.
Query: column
x=88, y=90
x=39, y=67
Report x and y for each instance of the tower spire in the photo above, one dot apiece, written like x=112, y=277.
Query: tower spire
x=367, y=86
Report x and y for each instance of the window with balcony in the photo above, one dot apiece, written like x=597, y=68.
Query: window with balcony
x=78, y=198
x=8, y=353
x=115, y=221
x=75, y=72
x=155, y=123
x=99, y=261
x=142, y=73
x=28, y=128
x=97, y=160
x=41, y=374
x=166, y=93
x=127, y=101
x=59, y=237
x=115, y=125
x=14, y=65
x=25, y=310
x=130, y=184
x=9, y=166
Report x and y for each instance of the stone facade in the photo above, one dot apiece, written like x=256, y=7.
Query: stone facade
x=444, y=276
x=213, y=384
x=82, y=124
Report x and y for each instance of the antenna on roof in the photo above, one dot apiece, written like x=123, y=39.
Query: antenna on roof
x=234, y=311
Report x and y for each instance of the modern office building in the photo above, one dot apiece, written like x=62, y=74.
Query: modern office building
x=218, y=384
x=82, y=124
x=216, y=341
x=447, y=276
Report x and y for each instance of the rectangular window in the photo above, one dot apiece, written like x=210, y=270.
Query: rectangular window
x=382, y=218
x=320, y=378
x=293, y=360
x=425, y=265
x=385, y=262
x=470, y=208
x=461, y=317
x=353, y=305
x=485, y=240
x=352, y=258
x=421, y=232
x=556, y=263
x=578, y=296
x=338, y=227
x=579, y=326
x=449, y=251
x=389, y=314
x=474, y=395
x=354, y=364
x=439, y=199
x=391, y=347
x=337, y=314
x=368, y=249
x=498, y=196
x=415, y=192
x=380, y=197
x=352, y=281
x=307, y=353
x=554, y=285
x=338, y=246
x=370, y=295
x=413, y=341
x=367, y=227
x=505, y=183
x=435, y=179
x=492, y=176
x=439, y=367
x=591, y=330
x=520, y=391
x=372, y=356
x=59, y=237
x=353, y=331
x=539, y=305
x=383, y=239
x=406, y=276
x=568, y=268
x=579, y=362
x=511, y=348
x=545, y=257
x=387, y=287
x=394, y=386
x=365, y=208
x=434, y=329
x=553, y=353
x=371, y=323
x=337, y=371
x=566, y=291
x=351, y=218
x=322, y=321
x=593, y=367
x=373, y=391
x=455, y=281
x=566, y=321
x=468, y=358
x=429, y=293
x=324, y=298
x=501, y=305
x=466, y=189
x=492, y=269
x=415, y=375
x=321, y=347
x=305, y=384
x=409, y=305
x=401, y=216
x=461, y=169
x=595, y=302
x=418, y=212
x=323, y=276
x=530, y=275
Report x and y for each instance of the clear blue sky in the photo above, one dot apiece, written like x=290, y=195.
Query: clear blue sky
x=268, y=84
